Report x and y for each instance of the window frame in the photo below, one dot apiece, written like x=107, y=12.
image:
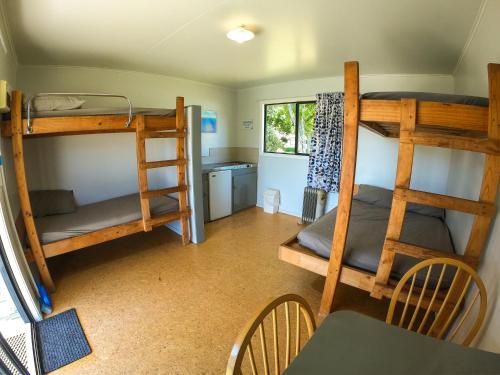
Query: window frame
x=297, y=114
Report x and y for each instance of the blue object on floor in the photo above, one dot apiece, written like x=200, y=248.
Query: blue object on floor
x=45, y=302
x=61, y=340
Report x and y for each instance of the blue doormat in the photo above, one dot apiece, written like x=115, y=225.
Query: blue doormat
x=61, y=340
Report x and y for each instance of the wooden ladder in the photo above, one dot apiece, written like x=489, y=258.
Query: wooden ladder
x=484, y=209
x=143, y=133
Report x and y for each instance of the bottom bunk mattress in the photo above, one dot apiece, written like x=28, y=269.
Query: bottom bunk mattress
x=423, y=226
x=93, y=217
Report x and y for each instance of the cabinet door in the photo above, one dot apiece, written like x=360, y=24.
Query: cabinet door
x=244, y=191
x=219, y=184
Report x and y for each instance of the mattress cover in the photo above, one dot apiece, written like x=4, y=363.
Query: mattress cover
x=428, y=97
x=365, y=239
x=100, y=215
x=102, y=111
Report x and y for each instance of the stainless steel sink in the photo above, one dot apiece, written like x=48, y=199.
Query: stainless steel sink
x=232, y=166
x=228, y=165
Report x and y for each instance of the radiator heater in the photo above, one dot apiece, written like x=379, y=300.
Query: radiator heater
x=313, y=206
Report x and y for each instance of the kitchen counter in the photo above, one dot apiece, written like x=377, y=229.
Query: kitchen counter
x=206, y=168
x=228, y=188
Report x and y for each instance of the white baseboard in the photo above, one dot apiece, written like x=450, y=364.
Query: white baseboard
x=283, y=211
x=175, y=227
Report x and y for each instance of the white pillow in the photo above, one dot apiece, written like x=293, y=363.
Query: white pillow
x=55, y=103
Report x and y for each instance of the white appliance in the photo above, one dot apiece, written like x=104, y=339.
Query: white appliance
x=220, y=194
x=271, y=201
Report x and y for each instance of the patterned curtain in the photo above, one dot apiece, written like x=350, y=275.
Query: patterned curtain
x=326, y=142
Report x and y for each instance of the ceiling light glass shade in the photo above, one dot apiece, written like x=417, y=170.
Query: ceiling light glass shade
x=240, y=35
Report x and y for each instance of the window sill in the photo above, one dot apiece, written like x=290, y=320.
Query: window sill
x=286, y=156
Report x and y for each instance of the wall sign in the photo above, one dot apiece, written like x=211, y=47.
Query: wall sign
x=208, y=122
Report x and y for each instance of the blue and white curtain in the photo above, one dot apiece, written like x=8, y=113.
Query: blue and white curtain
x=326, y=142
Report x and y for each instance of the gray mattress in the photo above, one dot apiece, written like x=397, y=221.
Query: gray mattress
x=428, y=97
x=100, y=215
x=103, y=111
x=366, y=236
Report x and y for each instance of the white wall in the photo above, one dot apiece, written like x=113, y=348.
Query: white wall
x=8, y=72
x=377, y=156
x=102, y=166
x=8, y=61
x=466, y=168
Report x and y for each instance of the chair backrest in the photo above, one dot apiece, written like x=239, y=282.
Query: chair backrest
x=431, y=307
x=295, y=309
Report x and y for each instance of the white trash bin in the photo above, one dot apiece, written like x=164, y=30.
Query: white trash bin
x=271, y=201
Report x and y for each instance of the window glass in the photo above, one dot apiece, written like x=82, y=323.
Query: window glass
x=288, y=127
x=280, y=128
x=305, y=127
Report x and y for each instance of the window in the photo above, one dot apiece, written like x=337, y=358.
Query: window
x=288, y=127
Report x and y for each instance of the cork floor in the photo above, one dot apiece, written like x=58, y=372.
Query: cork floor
x=149, y=305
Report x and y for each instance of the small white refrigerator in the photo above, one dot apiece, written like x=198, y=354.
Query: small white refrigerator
x=220, y=194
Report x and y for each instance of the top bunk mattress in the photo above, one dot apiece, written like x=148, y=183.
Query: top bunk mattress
x=423, y=226
x=101, y=112
x=92, y=217
x=428, y=97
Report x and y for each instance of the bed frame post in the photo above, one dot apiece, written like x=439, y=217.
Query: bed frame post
x=349, y=154
x=180, y=125
x=22, y=185
x=142, y=173
x=491, y=174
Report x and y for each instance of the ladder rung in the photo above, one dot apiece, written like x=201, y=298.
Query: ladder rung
x=163, y=163
x=160, y=192
x=166, y=218
x=384, y=290
x=159, y=134
x=451, y=141
x=423, y=252
x=445, y=201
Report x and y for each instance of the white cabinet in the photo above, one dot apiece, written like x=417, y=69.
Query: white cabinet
x=220, y=194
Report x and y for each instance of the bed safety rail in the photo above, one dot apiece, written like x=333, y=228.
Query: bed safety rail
x=30, y=100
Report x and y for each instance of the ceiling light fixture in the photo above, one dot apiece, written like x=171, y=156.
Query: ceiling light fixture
x=240, y=35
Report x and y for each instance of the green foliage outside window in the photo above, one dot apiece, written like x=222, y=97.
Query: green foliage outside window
x=289, y=127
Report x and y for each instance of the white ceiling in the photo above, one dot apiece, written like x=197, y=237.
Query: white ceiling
x=296, y=39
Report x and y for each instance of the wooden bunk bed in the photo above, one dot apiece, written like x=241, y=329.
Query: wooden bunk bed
x=438, y=124
x=146, y=125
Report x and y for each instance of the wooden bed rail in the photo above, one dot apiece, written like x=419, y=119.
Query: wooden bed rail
x=77, y=125
x=443, y=116
x=93, y=238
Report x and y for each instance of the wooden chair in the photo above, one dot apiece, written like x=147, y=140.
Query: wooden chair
x=448, y=302
x=292, y=314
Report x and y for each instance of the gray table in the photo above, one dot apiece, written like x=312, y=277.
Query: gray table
x=351, y=343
